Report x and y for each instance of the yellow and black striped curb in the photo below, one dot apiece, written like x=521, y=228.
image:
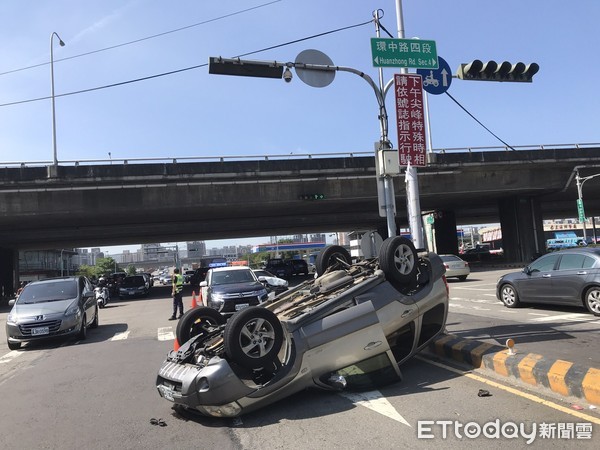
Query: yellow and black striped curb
x=562, y=377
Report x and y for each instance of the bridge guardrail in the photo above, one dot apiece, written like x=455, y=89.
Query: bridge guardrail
x=175, y=160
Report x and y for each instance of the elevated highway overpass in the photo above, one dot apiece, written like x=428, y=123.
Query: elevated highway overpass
x=89, y=203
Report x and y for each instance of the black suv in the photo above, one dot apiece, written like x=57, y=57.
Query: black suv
x=279, y=268
x=229, y=289
x=134, y=286
x=299, y=266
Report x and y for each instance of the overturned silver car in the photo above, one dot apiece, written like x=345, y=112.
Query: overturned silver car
x=349, y=328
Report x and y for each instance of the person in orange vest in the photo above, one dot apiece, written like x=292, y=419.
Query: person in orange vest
x=177, y=294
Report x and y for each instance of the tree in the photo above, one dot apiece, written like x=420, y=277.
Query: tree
x=87, y=271
x=106, y=266
x=131, y=270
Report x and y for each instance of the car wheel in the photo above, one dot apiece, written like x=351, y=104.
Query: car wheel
x=462, y=278
x=253, y=337
x=398, y=259
x=509, y=296
x=197, y=321
x=83, y=330
x=13, y=345
x=330, y=256
x=592, y=300
x=96, y=320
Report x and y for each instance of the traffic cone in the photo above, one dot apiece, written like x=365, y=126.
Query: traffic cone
x=194, y=304
x=200, y=300
x=176, y=345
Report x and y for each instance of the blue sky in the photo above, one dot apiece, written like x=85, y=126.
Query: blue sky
x=192, y=113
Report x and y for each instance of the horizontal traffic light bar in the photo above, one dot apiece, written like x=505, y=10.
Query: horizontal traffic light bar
x=492, y=71
x=222, y=66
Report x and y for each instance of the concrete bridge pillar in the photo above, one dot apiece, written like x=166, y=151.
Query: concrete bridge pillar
x=522, y=228
x=9, y=260
x=444, y=225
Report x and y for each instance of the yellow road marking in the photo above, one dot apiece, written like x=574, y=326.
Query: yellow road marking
x=531, y=397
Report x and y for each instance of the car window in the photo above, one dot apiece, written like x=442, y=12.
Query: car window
x=232, y=276
x=447, y=258
x=263, y=273
x=45, y=292
x=575, y=262
x=544, y=264
x=133, y=281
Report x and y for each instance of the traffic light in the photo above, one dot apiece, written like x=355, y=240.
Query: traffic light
x=312, y=197
x=492, y=71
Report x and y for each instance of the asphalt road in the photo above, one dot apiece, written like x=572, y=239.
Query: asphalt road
x=562, y=332
x=100, y=393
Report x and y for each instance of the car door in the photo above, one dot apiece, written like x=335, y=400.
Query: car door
x=537, y=285
x=89, y=302
x=573, y=272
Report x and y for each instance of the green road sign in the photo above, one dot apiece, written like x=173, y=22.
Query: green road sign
x=404, y=53
x=580, y=210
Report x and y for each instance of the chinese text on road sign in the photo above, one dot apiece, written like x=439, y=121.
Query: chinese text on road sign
x=404, y=53
x=410, y=119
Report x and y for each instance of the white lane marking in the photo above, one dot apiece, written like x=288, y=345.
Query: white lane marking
x=507, y=311
x=471, y=289
x=576, y=317
x=491, y=295
x=10, y=356
x=166, y=334
x=120, y=336
x=375, y=401
x=537, y=314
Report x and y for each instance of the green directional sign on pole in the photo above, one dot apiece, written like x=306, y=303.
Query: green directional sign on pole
x=414, y=53
x=580, y=210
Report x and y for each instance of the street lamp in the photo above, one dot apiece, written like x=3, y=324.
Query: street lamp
x=580, y=211
x=62, y=44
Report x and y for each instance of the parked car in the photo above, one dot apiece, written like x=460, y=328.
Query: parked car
x=299, y=266
x=134, y=286
x=187, y=275
x=350, y=328
x=54, y=307
x=166, y=279
x=456, y=267
x=278, y=267
x=271, y=282
x=230, y=289
x=199, y=276
x=564, y=277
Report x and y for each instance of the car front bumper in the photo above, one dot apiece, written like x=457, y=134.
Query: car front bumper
x=26, y=330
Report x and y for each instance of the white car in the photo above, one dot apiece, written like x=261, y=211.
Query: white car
x=456, y=267
x=271, y=282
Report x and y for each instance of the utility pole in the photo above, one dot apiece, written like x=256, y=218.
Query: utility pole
x=412, y=183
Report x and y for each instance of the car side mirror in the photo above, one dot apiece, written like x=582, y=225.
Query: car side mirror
x=527, y=270
x=88, y=294
x=11, y=302
x=203, y=284
x=262, y=279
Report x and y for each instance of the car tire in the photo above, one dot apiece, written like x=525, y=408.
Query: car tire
x=197, y=321
x=592, y=300
x=462, y=278
x=253, y=337
x=13, y=345
x=509, y=296
x=96, y=320
x=330, y=256
x=83, y=330
x=399, y=260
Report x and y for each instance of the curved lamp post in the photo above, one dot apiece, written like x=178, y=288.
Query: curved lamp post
x=581, y=212
x=62, y=44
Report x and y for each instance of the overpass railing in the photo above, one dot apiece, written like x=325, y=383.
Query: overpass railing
x=287, y=156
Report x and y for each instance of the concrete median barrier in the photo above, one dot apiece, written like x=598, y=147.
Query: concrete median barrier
x=562, y=377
